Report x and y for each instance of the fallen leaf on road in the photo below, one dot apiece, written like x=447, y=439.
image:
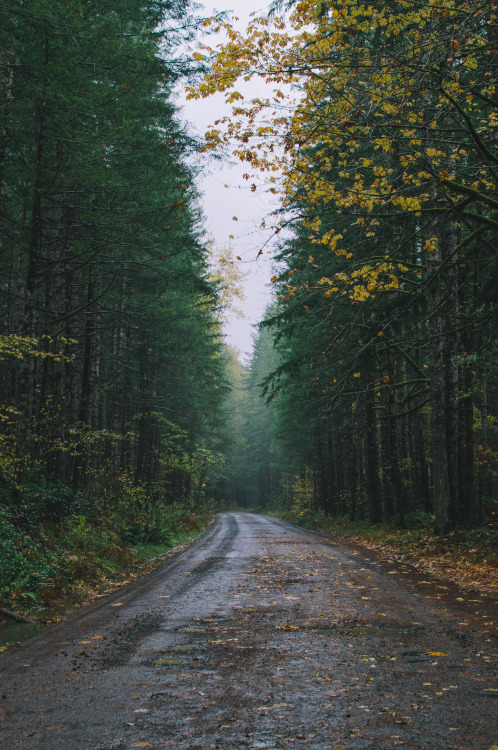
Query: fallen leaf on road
x=287, y=627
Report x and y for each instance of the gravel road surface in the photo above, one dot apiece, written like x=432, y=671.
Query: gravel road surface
x=261, y=635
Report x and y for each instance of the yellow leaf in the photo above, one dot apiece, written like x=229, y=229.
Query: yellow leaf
x=430, y=245
x=435, y=653
x=287, y=627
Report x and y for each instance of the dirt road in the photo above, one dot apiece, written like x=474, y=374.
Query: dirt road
x=261, y=635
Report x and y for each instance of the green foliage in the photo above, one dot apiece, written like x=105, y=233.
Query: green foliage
x=386, y=316
x=16, y=551
x=51, y=501
x=299, y=494
x=175, y=526
x=43, y=563
x=112, y=372
x=252, y=470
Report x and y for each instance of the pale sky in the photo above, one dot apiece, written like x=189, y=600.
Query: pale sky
x=221, y=204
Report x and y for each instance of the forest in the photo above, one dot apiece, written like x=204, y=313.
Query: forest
x=112, y=366
x=377, y=129
x=371, y=394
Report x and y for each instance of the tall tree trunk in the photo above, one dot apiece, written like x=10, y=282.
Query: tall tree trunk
x=386, y=464
x=438, y=385
x=371, y=457
x=451, y=353
x=421, y=472
x=28, y=319
x=349, y=460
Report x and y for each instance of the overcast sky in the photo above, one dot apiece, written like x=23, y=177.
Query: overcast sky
x=221, y=204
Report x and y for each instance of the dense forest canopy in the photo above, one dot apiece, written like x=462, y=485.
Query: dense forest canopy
x=112, y=370
x=380, y=136
x=372, y=388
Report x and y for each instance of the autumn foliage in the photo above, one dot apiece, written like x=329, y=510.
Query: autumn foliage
x=377, y=127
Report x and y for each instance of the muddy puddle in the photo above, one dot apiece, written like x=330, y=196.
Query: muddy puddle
x=14, y=633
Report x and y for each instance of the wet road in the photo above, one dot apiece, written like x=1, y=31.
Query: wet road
x=261, y=635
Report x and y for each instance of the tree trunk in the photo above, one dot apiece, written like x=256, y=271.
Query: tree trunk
x=371, y=454
x=439, y=402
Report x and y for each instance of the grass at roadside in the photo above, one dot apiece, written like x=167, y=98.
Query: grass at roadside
x=47, y=568
x=153, y=551
x=466, y=556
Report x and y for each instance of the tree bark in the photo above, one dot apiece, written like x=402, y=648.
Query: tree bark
x=371, y=453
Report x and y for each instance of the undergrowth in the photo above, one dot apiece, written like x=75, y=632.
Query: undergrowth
x=42, y=564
